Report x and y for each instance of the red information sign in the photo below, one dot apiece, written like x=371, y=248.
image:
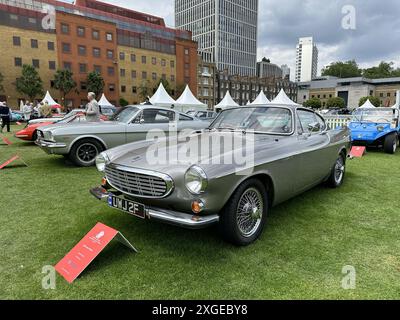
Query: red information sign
x=5, y=164
x=358, y=152
x=76, y=261
x=18, y=123
x=6, y=141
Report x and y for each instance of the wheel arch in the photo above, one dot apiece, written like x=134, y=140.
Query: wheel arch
x=80, y=138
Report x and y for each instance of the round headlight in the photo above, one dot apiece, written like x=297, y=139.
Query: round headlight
x=101, y=161
x=380, y=128
x=196, y=180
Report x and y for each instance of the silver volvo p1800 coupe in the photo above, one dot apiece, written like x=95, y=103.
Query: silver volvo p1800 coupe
x=291, y=151
x=83, y=142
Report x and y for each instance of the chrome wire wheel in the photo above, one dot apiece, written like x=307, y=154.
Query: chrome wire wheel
x=395, y=145
x=87, y=152
x=339, y=170
x=249, y=212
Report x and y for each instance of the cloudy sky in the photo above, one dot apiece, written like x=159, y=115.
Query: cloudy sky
x=281, y=22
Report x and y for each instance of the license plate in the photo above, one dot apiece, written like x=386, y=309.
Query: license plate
x=131, y=207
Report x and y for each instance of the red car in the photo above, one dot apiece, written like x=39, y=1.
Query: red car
x=29, y=133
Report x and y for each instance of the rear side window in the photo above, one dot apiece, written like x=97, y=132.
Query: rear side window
x=182, y=117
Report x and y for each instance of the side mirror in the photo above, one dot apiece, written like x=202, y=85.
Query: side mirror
x=314, y=127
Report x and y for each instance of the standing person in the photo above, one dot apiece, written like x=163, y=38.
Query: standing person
x=5, y=115
x=27, y=111
x=46, y=110
x=92, y=109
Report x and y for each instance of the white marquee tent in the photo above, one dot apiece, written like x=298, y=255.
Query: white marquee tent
x=367, y=105
x=161, y=98
x=283, y=100
x=50, y=100
x=260, y=100
x=187, y=101
x=226, y=103
x=103, y=102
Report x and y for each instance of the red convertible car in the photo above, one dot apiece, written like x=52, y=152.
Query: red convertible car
x=29, y=133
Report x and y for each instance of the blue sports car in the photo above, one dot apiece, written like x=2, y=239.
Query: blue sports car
x=379, y=127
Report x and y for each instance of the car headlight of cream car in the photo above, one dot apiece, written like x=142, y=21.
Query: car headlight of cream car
x=196, y=180
x=101, y=161
x=48, y=136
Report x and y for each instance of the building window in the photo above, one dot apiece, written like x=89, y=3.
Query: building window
x=164, y=77
x=109, y=36
x=172, y=64
x=16, y=41
x=95, y=34
x=110, y=54
x=111, y=87
x=64, y=28
x=82, y=68
x=110, y=71
x=96, y=52
x=80, y=31
x=172, y=78
x=34, y=44
x=83, y=86
x=18, y=62
x=133, y=74
x=123, y=88
x=68, y=66
x=133, y=57
x=144, y=75
x=32, y=20
x=66, y=48
x=186, y=52
x=50, y=45
x=144, y=59
x=52, y=65
x=35, y=63
x=187, y=66
x=122, y=56
x=163, y=63
x=122, y=72
x=154, y=61
x=381, y=94
x=97, y=68
x=134, y=90
x=388, y=94
x=82, y=50
x=13, y=17
x=154, y=76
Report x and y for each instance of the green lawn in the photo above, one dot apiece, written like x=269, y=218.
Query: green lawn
x=46, y=208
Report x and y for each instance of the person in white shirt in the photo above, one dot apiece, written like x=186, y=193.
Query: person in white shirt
x=92, y=109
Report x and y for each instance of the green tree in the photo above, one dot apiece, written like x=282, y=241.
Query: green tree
x=374, y=100
x=95, y=83
x=63, y=81
x=123, y=102
x=336, y=103
x=179, y=90
x=313, y=103
x=348, y=69
x=1, y=82
x=29, y=84
x=166, y=85
x=145, y=89
x=383, y=70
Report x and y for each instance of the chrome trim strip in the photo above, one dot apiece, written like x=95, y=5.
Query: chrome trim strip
x=168, y=180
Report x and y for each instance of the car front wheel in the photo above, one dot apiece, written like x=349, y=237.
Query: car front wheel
x=338, y=172
x=391, y=143
x=243, y=218
x=84, y=152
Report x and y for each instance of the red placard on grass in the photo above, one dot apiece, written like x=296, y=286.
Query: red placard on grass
x=18, y=123
x=6, y=141
x=94, y=242
x=11, y=160
x=358, y=152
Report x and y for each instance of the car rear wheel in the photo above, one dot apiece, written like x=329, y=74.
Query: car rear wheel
x=243, y=218
x=84, y=152
x=338, y=172
x=391, y=143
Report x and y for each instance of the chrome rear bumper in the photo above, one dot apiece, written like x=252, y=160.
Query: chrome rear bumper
x=180, y=219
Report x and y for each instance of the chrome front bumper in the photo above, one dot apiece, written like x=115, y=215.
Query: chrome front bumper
x=48, y=146
x=180, y=219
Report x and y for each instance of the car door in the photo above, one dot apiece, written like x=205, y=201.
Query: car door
x=315, y=157
x=153, y=121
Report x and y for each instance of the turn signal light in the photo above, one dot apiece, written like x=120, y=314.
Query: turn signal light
x=197, y=206
x=104, y=182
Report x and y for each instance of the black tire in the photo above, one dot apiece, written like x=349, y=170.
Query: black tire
x=391, y=143
x=34, y=136
x=229, y=225
x=338, y=172
x=84, y=152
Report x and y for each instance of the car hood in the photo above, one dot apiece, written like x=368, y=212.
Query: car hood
x=161, y=157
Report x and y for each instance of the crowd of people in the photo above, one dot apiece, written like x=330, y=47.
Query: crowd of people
x=41, y=110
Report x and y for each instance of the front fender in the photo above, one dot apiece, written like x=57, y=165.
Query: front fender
x=86, y=136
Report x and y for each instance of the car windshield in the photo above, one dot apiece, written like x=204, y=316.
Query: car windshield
x=373, y=115
x=125, y=114
x=272, y=120
x=191, y=113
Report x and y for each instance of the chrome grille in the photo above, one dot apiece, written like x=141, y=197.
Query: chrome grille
x=138, y=182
